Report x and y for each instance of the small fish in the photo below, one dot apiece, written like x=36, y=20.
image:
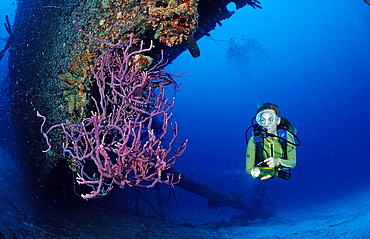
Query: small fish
x=367, y=1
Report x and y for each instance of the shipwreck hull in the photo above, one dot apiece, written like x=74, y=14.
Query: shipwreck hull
x=51, y=59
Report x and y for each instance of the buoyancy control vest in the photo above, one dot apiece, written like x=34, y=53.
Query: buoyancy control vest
x=259, y=143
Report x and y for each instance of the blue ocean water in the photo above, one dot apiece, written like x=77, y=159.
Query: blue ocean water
x=312, y=59
x=6, y=165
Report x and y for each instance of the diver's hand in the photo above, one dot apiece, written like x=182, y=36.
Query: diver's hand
x=272, y=162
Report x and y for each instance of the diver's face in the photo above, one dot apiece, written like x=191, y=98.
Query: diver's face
x=268, y=119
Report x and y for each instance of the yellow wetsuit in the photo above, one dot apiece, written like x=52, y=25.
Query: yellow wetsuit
x=272, y=149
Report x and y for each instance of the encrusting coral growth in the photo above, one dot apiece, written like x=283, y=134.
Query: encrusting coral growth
x=170, y=22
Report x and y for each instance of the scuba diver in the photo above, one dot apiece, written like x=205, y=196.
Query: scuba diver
x=271, y=151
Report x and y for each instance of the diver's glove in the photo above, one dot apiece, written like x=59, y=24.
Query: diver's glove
x=272, y=162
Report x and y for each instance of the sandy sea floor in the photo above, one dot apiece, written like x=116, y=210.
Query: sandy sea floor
x=345, y=218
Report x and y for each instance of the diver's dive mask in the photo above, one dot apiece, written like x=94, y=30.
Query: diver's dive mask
x=266, y=118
